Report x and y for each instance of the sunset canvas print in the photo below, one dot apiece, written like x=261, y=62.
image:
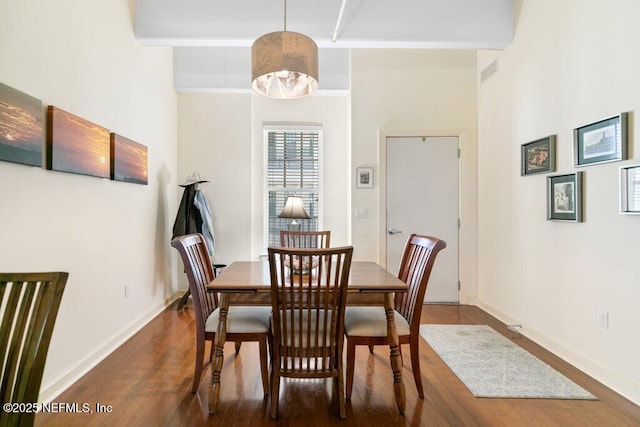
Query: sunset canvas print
x=128, y=160
x=21, y=121
x=76, y=145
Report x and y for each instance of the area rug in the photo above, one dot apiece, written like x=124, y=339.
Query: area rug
x=490, y=365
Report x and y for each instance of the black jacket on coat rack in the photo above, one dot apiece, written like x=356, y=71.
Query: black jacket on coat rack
x=188, y=220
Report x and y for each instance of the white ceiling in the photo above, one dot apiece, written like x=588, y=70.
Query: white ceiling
x=212, y=39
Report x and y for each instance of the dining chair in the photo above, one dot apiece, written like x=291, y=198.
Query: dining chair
x=308, y=317
x=305, y=239
x=244, y=323
x=29, y=305
x=368, y=325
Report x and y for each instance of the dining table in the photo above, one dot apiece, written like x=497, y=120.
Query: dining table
x=249, y=283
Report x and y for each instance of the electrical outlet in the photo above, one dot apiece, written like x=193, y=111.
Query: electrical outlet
x=126, y=290
x=603, y=320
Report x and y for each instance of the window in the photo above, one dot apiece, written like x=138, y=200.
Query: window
x=293, y=166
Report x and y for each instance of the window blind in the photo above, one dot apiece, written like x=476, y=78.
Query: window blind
x=293, y=167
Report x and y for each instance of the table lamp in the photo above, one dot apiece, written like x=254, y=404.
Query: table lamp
x=294, y=209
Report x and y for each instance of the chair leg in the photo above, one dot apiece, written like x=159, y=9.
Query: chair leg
x=371, y=349
x=238, y=344
x=211, y=348
x=275, y=394
x=262, y=343
x=415, y=366
x=351, y=356
x=270, y=342
x=183, y=300
x=199, y=362
x=341, y=401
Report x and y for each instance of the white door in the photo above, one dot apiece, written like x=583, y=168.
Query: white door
x=422, y=198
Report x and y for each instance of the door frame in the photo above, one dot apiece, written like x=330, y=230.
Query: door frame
x=463, y=140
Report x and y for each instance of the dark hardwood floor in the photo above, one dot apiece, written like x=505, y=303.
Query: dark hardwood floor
x=147, y=382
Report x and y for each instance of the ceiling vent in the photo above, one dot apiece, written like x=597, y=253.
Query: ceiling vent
x=489, y=71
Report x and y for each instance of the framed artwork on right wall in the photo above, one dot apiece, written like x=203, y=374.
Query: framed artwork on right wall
x=538, y=156
x=564, y=197
x=630, y=189
x=600, y=142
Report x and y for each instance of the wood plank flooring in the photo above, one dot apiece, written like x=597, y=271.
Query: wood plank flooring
x=147, y=382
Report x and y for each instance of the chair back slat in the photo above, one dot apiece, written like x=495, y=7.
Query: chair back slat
x=305, y=239
x=417, y=262
x=308, y=291
x=200, y=272
x=29, y=304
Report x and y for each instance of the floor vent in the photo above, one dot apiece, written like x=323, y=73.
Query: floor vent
x=489, y=71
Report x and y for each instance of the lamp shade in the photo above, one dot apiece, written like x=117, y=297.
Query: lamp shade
x=284, y=65
x=294, y=208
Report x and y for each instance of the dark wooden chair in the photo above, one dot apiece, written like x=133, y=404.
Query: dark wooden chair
x=31, y=302
x=308, y=316
x=305, y=239
x=244, y=323
x=368, y=325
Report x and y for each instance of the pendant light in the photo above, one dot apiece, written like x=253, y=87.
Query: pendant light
x=284, y=64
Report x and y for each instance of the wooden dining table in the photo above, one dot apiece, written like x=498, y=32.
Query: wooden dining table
x=249, y=283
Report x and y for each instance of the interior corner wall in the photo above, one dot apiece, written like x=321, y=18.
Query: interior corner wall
x=82, y=57
x=556, y=279
x=215, y=140
x=220, y=136
x=431, y=92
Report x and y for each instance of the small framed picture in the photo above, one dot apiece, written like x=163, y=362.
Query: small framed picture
x=599, y=142
x=564, y=197
x=630, y=189
x=538, y=156
x=364, y=177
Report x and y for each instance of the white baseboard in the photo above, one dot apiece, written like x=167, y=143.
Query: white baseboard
x=606, y=376
x=49, y=392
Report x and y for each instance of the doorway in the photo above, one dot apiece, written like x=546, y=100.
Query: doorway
x=422, y=196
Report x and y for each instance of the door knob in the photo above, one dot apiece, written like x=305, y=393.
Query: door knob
x=394, y=231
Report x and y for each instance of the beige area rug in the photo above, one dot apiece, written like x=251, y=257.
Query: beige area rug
x=490, y=365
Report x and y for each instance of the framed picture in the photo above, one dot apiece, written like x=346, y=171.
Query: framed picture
x=21, y=127
x=603, y=141
x=76, y=145
x=128, y=160
x=538, y=156
x=564, y=197
x=364, y=177
x=630, y=189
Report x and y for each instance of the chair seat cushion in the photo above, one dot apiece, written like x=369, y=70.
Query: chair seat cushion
x=371, y=322
x=241, y=319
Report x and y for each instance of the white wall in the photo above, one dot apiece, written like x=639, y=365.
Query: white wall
x=409, y=92
x=220, y=135
x=556, y=278
x=214, y=135
x=82, y=57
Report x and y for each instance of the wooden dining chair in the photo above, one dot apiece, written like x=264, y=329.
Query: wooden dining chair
x=29, y=305
x=308, y=317
x=305, y=239
x=244, y=323
x=368, y=325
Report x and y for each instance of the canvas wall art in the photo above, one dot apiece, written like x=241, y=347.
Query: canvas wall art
x=76, y=145
x=128, y=160
x=21, y=127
